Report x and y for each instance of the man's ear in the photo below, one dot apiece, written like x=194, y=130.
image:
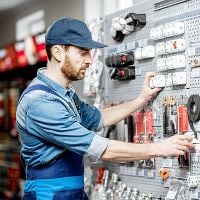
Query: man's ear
x=58, y=53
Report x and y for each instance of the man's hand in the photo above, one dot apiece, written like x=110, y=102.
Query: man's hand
x=147, y=94
x=123, y=151
x=175, y=145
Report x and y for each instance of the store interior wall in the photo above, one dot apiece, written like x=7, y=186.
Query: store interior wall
x=53, y=10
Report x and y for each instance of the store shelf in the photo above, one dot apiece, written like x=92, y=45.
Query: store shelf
x=21, y=72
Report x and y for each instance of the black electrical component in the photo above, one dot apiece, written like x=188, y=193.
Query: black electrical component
x=124, y=26
x=140, y=19
x=193, y=105
x=124, y=73
x=173, y=120
x=120, y=60
x=166, y=120
x=119, y=36
x=131, y=22
x=141, y=163
x=149, y=163
x=183, y=160
x=109, y=61
x=135, y=20
x=122, y=65
x=124, y=59
x=113, y=73
x=170, y=120
x=130, y=125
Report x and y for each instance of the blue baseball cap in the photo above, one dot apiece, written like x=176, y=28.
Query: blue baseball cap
x=69, y=31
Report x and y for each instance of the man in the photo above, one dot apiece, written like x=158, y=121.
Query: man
x=57, y=129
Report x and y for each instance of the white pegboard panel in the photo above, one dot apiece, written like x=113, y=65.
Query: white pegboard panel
x=193, y=28
x=195, y=164
x=189, y=12
x=120, y=91
x=193, y=4
x=195, y=82
x=146, y=188
x=171, y=10
x=193, y=91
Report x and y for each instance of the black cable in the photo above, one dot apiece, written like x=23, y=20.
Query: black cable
x=193, y=106
x=119, y=36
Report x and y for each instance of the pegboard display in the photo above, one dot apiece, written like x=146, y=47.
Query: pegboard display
x=165, y=39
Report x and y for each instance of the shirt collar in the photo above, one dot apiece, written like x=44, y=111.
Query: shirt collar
x=52, y=84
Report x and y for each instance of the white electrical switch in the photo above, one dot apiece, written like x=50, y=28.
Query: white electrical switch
x=175, y=45
x=169, y=80
x=156, y=33
x=160, y=48
x=180, y=61
x=179, y=78
x=161, y=64
x=157, y=81
x=148, y=52
x=138, y=54
x=179, y=28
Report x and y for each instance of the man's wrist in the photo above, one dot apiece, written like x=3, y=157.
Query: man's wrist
x=156, y=150
x=141, y=100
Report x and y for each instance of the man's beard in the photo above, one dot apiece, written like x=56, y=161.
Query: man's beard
x=69, y=70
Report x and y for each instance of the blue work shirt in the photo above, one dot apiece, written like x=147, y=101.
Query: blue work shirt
x=48, y=124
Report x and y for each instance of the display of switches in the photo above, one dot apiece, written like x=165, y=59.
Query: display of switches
x=167, y=30
x=171, y=62
x=169, y=45
x=169, y=80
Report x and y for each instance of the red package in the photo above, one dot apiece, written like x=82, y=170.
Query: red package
x=41, y=47
x=20, y=54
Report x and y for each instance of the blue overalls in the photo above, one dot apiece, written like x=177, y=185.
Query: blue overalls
x=61, y=179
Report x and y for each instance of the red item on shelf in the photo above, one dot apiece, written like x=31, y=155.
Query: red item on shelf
x=149, y=121
x=183, y=118
x=8, y=60
x=13, y=175
x=136, y=139
x=30, y=50
x=139, y=123
x=41, y=47
x=11, y=59
x=2, y=111
x=100, y=172
x=13, y=98
x=20, y=54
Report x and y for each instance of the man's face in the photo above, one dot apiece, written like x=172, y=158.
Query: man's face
x=77, y=60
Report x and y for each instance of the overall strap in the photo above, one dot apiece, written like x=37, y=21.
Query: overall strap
x=38, y=87
x=49, y=90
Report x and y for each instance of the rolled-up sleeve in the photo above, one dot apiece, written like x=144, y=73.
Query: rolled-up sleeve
x=52, y=122
x=97, y=148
